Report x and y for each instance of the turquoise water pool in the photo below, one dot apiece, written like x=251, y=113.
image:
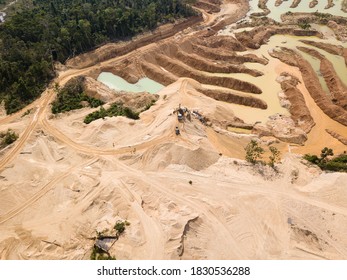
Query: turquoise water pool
x=117, y=83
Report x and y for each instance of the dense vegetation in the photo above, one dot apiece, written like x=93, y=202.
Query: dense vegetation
x=116, y=109
x=327, y=161
x=72, y=97
x=42, y=31
x=7, y=138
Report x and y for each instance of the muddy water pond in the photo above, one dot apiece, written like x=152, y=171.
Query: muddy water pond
x=268, y=84
x=276, y=12
x=117, y=83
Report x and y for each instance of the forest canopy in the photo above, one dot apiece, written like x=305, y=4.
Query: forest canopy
x=42, y=31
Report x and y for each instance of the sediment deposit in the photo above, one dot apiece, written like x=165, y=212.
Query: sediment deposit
x=191, y=195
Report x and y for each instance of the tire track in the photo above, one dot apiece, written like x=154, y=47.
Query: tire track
x=45, y=189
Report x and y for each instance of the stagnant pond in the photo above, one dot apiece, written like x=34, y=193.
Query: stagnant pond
x=302, y=7
x=271, y=71
x=117, y=83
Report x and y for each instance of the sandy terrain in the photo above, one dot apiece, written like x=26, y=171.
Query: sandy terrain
x=186, y=197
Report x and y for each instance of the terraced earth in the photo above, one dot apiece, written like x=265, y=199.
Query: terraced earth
x=192, y=196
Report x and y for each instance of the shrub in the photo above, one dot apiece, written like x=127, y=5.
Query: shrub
x=325, y=153
x=99, y=254
x=338, y=163
x=311, y=158
x=275, y=156
x=116, y=109
x=7, y=138
x=71, y=96
x=120, y=227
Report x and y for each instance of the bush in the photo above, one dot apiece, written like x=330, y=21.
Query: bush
x=99, y=254
x=120, y=227
x=275, y=156
x=312, y=158
x=7, y=138
x=71, y=97
x=338, y=163
x=116, y=109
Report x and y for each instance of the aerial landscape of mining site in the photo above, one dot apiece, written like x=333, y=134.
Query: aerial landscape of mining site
x=219, y=131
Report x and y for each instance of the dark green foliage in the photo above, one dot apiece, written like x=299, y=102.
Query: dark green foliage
x=7, y=138
x=149, y=105
x=27, y=112
x=71, y=97
x=99, y=254
x=304, y=25
x=338, y=163
x=274, y=157
x=116, y=109
x=120, y=227
x=42, y=30
x=253, y=152
x=312, y=158
x=325, y=153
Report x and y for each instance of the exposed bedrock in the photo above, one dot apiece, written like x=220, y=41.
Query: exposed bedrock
x=336, y=87
x=182, y=70
x=297, y=105
x=235, y=98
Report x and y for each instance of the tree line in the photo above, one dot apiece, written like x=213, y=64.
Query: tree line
x=42, y=31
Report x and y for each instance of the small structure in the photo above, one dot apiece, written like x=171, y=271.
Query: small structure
x=177, y=131
x=179, y=116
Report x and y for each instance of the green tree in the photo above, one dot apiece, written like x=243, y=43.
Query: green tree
x=253, y=152
x=325, y=153
x=274, y=157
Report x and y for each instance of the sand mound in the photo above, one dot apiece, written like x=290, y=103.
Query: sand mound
x=163, y=155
